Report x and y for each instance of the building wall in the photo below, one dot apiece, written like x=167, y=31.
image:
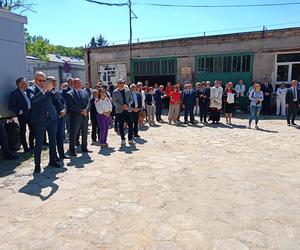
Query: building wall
x=265, y=45
x=12, y=56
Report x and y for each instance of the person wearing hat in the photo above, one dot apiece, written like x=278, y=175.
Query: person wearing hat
x=122, y=100
x=280, y=99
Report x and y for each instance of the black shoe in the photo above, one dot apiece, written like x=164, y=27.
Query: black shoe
x=54, y=165
x=136, y=136
x=64, y=157
x=77, y=143
x=288, y=124
x=73, y=154
x=37, y=169
x=46, y=144
x=185, y=122
x=294, y=124
x=86, y=151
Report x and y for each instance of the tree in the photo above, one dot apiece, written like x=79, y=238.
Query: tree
x=21, y=5
x=93, y=43
x=101, y=41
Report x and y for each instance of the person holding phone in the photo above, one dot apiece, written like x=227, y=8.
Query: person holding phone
x=43, y=118
x=256, y=97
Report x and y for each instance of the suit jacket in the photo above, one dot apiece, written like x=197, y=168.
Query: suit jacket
x=59, y=102
x=289, y=98
x=93, y=113
x=17, y=102
x=268, y=89
x=189, y=97
x=65, y=91
x=158, y=95
x=148, y=99
x=139, y=100
x=42, y=107
x=117, y=100
x=75, y=104
x=204, y=92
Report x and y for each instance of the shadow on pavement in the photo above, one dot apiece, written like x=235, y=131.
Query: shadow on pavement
x=267, y=131
x=140, y=141
x=79, y=162
x=107, y=151
x=128, y=149
x=7, y=167
x=43, y=181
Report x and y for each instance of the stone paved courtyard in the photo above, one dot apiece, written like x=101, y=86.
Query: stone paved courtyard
x=191, y=187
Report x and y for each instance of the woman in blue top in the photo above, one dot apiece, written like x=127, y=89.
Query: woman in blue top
x=256, y=97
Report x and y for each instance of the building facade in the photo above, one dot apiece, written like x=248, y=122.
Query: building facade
x=248, y=56
x=59, y=66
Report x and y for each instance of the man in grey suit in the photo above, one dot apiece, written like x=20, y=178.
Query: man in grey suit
x=122, y=100
x=43, y=118
x=78, y=104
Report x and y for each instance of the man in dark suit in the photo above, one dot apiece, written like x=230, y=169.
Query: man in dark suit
x=78, y=104
x=159, y=95
x=267, y=89
x=136, y=106
x=292, y=101
x=64, y=92
x=61, y=108
x=93, y=115
x=189, y=101
x=19, y=102
x=44, y=118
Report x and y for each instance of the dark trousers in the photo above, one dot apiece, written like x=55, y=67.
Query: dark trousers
x=60, y=135
x=135, y=121
x=23, y=120
x=78, y=122
x=188, y=110
x=40, y=129
x=125, y=116
x=31, y=135
x=291, y=112
x=203, y=110
x=4, y=141
x=158, y=111
x=95, y=128
x=267, y=105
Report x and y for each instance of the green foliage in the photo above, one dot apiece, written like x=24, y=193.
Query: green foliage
x=99, y=41
x=40, y=47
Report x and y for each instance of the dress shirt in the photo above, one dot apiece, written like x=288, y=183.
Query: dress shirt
x=295, y=94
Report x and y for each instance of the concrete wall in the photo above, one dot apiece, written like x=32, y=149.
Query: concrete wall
x=265, y=45
x=12, y=56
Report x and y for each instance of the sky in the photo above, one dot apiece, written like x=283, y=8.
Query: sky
x=74, y=22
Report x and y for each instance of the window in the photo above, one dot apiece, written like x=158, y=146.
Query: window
x=296, y=72
x=201, y=65
x=291, y=57
x=164, y=67
x=227, y=64
x=236, y=64
x=209, y=64
x=282, y=73
x=246, y=63
x=217, y=64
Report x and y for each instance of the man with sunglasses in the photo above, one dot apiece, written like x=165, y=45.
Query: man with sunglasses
x=43, y=118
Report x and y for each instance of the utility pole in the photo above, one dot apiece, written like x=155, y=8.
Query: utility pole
x=130, y=31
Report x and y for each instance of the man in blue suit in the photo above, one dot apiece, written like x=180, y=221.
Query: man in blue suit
x=19, y=102
x=159, y=95
x=44, y=118
x=61, y=108
x=189, y=101
x=78, y=104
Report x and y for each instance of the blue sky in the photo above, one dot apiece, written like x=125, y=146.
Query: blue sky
x=74, y=22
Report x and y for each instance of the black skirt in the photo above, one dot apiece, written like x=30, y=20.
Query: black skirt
x=214, y=115
x=229, y=108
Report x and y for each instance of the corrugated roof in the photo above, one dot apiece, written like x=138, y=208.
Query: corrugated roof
x=60, y=59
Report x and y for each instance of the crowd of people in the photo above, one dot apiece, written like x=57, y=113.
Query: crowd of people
x=64, y=112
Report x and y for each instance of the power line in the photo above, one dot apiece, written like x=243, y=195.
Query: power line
x=108, y=4
x=209, y=31
x=219, y=6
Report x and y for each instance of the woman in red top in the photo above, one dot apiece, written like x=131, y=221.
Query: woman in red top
x=168, y=90
x=174, y=107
